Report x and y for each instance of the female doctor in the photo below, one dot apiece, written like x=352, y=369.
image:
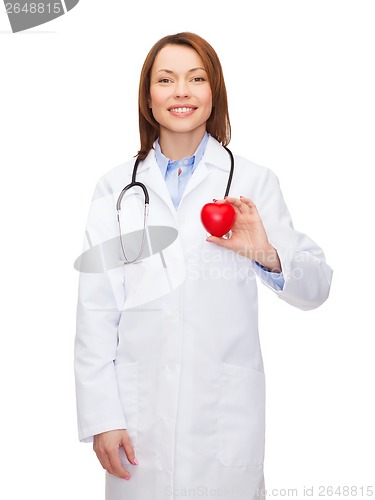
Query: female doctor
x=169, y=373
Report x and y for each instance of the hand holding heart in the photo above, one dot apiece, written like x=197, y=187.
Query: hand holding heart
x=249, y=238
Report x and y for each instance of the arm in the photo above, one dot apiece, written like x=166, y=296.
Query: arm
x=100, y=295
x=97, y=319
x=265, y=234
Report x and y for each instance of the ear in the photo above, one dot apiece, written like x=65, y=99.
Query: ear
x=149, y=102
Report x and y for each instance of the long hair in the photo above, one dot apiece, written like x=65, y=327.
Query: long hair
x=218, y=124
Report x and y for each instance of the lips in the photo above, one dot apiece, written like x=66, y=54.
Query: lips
x=182, y=109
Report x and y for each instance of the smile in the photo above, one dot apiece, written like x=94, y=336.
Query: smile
x=181, y=110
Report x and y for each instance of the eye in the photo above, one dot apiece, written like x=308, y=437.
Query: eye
x=199, y=79
x=164, y=80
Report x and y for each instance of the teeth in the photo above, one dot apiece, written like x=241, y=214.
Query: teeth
x=181, y=110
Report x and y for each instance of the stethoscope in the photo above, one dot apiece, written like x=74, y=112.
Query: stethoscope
x=135, y=183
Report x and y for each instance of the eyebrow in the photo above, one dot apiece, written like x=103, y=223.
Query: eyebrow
x=190, y=70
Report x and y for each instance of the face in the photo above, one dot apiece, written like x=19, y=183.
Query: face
x=180, y=93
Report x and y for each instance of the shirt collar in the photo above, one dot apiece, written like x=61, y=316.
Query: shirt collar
x=163, y=161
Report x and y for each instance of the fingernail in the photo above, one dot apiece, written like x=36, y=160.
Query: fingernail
x=127, y=478
x=214, y=200
x=241, y=196
x=135, y=461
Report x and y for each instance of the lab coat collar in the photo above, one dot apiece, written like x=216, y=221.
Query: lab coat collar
x=215, y=155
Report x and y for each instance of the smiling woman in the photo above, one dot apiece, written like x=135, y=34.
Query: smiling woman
x=169, y=370
x=180, y=98
x=185, y=70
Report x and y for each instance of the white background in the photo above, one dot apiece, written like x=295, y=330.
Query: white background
x=300, y=79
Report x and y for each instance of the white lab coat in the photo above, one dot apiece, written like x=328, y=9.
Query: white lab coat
x=169, y=348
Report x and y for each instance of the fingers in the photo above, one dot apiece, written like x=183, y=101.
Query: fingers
x=241, y=205
x=104, y=460
x=110, y=461
x=221, y=242
x=129, y=451
x=107, y=448
x=115, y=465
x=247, y=202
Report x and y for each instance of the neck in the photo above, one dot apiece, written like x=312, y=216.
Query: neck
x=177, y=145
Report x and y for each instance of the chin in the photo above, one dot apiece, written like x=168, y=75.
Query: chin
x=183, y=127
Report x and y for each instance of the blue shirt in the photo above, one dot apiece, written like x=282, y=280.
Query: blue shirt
x=177, y=183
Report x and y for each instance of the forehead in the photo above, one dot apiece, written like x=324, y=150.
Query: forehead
x=177, y=58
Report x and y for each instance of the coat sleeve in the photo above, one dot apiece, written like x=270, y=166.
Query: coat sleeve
x=98, y=314
x=306, y=273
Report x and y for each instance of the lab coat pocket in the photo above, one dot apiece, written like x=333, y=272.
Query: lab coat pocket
x=241, y=416
x=127, y=381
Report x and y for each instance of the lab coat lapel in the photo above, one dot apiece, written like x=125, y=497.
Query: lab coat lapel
x=214, y=156
x=150, y=174
x=199, y=175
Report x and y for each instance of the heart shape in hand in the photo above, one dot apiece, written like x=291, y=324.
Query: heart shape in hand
x=218, y=218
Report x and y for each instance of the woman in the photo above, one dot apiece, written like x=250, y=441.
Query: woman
x=169, y=371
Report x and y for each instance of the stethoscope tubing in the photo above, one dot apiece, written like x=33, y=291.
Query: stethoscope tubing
x=135, y=183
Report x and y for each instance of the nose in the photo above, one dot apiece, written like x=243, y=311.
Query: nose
x=182, y=89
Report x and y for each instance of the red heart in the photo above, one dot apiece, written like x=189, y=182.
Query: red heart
x=218, y=218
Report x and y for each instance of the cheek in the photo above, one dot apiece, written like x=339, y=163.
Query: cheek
x=207, y=97
x=207, y=101
x=154, y=100
x=159, y=96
